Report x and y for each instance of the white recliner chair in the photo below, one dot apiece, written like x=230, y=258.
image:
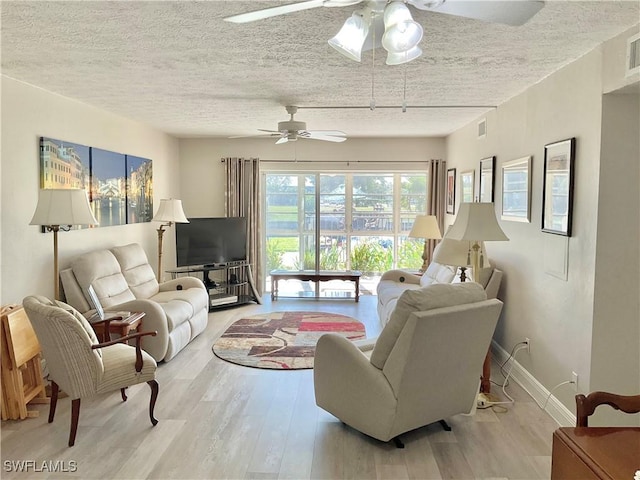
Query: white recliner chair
x=425, y=365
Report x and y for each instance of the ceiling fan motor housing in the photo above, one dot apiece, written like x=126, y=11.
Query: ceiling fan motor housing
x=290, y=125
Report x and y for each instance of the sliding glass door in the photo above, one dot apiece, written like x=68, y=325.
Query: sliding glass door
x=342, y=221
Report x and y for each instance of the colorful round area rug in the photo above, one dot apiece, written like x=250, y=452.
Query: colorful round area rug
x=282, y=340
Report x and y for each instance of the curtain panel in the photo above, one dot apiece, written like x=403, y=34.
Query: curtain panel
x=437, y=178
x=242, y=199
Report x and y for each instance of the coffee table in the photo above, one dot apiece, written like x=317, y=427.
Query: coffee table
x=314, y=276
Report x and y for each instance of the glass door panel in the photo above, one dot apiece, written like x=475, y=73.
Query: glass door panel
x=372, y=207
x=332, y=204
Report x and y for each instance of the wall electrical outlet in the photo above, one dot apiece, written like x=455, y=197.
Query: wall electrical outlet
x=528, y=342
x=574, y=379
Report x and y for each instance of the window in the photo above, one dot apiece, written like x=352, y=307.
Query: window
x=339, y=221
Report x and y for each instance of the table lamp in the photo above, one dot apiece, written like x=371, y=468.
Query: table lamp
x=425, y=226
x=169, y=212
x=59, y=209
x=475, y=223
x=455, y=253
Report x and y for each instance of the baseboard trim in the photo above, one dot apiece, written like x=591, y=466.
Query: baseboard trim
x=561, y=414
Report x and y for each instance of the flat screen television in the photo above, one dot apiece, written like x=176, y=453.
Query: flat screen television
x=211, y=241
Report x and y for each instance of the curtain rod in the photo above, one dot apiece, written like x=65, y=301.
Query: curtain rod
x=340, y=161
x=399, y=107
x=222, y=160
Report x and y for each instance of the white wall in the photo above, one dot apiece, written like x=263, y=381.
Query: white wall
x=203, y=172
x=616, y=320
x=27, y=114
x=557, y=314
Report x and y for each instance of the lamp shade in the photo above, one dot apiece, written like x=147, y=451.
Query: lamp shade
x=170, y=210
x=457, y=253
x=476, y=222
x=351, y=37
x=401, y=32
x=394, y=58
x=63, y=206
x=425, y=226
x=452, y=252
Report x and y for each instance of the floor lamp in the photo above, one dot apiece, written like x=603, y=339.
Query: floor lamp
x=425, y=226
x=169, y=212
x=59, y=209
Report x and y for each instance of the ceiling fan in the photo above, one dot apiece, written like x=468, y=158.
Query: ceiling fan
x=388, y=23
x=291, y=130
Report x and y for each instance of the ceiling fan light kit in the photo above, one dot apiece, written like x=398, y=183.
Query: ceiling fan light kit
x=380, y=24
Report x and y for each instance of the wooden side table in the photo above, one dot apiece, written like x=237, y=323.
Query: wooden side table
x=120, y=325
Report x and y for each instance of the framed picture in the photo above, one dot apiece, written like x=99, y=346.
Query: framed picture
x=487, y=179
x=557, y=189
x=451, y=191
x=120, y=186
x=516, y=190
x=467, y=186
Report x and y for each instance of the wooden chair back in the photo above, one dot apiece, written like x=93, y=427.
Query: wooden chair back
x=586, y=405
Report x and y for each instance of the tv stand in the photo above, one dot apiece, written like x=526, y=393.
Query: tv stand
x=232, y=286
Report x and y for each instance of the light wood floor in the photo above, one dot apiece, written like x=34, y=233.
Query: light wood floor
x=222, y=421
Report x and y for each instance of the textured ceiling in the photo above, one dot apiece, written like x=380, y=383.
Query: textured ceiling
x=178, y=67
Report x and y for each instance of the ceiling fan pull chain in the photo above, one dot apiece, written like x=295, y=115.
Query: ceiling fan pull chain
x=372, y=104
x=404, y=93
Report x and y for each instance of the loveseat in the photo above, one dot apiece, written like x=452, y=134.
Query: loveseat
x=124, y=281
x=394, y=282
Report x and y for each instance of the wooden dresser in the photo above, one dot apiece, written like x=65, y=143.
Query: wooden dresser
x=585, y=453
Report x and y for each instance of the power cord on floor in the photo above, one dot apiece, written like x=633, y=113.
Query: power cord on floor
x=486, y=402
x=516, y=349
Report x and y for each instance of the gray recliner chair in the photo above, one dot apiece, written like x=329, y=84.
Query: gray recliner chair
x=425, y=365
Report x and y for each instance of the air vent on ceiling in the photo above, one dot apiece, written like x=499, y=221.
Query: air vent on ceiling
x=482, y=128
x=633, y=55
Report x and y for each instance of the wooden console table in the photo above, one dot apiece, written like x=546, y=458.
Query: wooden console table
x=313, y=276
x=585, y=453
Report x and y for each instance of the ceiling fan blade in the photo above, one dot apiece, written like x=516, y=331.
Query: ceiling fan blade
x=274, y=11
x=316, y=135
x=270, y=131
x=255, y=136
x=508, y=12
x=335, y=133
x=282, y=140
